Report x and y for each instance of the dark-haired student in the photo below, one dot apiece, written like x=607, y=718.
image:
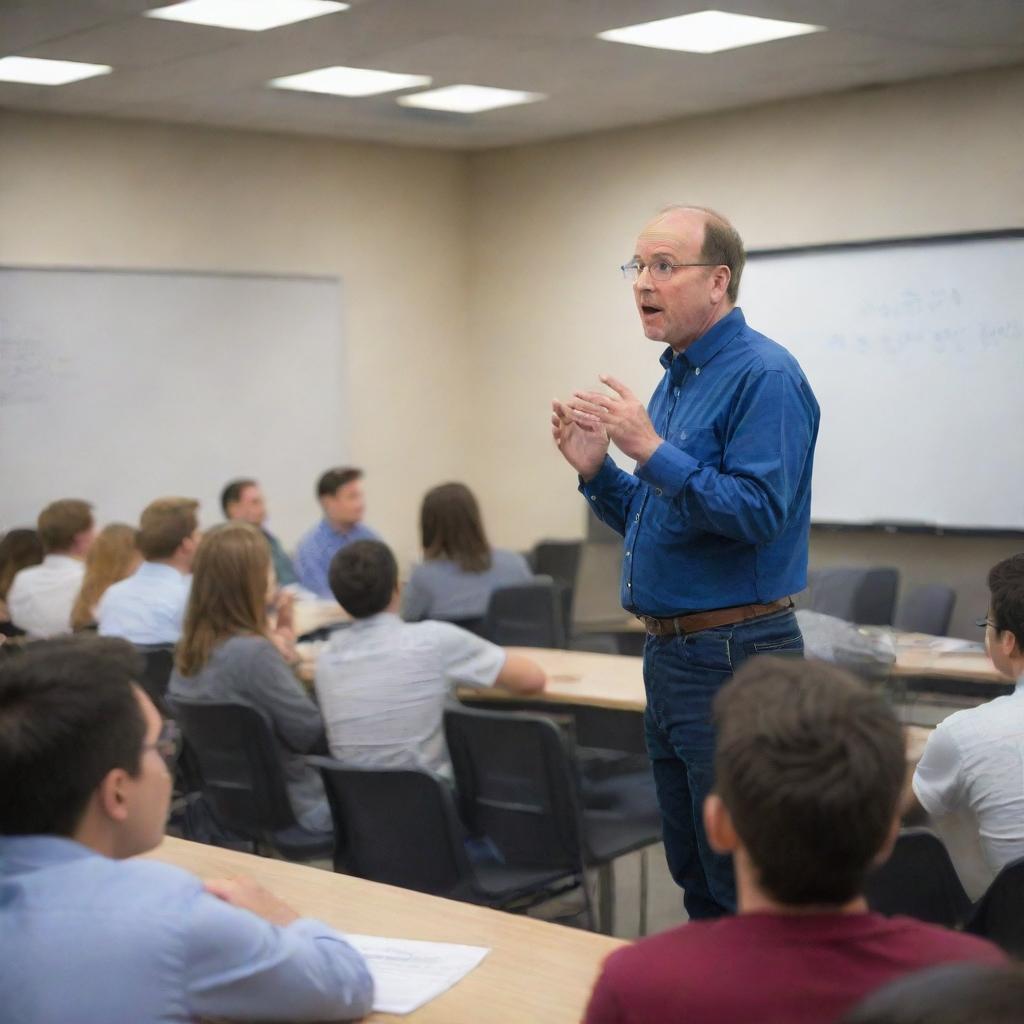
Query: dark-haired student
x=969, y=777
x=90, y=937
x=343, y=501
x=382, y=683
x=809, y=770
x=243, y=501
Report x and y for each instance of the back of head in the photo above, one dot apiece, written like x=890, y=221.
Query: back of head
x=948, y=994
x=1006, y=584
x=230, y=578
x=451, y=527
x=363, y=576
x=810, y=765
x=19, y=549
x=232, y=493
x=113, y=556
x=68, y=716
x=62, y=521
x=164, y=524
x=331, y=480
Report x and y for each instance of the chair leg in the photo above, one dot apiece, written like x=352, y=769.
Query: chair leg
x=606, y=898
x=644, y=880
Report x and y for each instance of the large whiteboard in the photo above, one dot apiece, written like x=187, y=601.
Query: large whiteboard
x=121, y=386
x=915, y=351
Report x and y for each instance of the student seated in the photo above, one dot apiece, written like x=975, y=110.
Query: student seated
x=340, y=493
x=969, y=777
x=92, y=937
x=228, y=653
x=382, y=683
x=19, y=549
x=148, y=606
x=40, y=597
x=460, y=569
x=113, y=557
x=243, y=500
x=809, y=769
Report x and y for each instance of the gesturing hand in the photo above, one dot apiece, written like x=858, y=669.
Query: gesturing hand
x=583, y=446
x=621, y=416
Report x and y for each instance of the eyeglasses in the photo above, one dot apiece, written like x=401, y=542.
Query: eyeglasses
x=985, y=622
x=660, y=270
x=168, y=744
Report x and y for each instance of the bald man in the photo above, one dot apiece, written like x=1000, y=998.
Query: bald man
x=715, y=514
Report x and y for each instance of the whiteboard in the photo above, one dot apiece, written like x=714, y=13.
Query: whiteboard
x=120, y=386
x=915, y=351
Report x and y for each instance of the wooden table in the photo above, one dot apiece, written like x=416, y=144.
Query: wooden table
x=915, y=658
x=536, y=972
x=309, y=616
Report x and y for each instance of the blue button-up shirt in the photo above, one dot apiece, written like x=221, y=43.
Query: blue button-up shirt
x=99, y=941
x=317, y=548
x=146, y=608
x=720, y=514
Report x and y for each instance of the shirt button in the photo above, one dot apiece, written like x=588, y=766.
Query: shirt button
x=657, y=491
x=637, y=517
x=629, y=585
x=696, y=372
x=628, y=553
x=593, y=497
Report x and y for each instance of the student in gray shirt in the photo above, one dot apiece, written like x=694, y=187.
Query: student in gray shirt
x=382, y=683
x=460, y=568
x=228, y=653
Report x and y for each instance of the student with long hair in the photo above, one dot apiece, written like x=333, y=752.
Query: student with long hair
x=227, y=653
x=460, y=569
x=113, y=556
x=19, y=549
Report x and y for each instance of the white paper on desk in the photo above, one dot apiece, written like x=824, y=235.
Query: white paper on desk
x=953, y=645
x=407, y=973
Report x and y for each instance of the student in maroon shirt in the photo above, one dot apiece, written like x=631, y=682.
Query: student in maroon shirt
x=810, y=767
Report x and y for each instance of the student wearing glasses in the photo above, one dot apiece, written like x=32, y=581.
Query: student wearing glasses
x=969, y=777
x=93, y=937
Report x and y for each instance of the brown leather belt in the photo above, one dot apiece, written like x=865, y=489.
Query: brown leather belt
x=680, y=625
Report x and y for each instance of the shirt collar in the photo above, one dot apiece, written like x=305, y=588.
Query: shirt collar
x=327, y=527
x=708, y=345
x=158, y=569
x=23, y=853
x=371, y=622
x=65, y=560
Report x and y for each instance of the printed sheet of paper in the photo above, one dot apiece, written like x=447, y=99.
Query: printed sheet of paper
x=407, y=973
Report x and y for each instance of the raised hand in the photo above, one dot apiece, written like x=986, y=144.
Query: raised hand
x=583, y=446
x=621, y=416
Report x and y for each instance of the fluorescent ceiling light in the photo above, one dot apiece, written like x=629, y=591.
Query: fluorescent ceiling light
x=707, y=32
x=248, y=15
x=339, y=81
x=469, y=99
x=36, y=71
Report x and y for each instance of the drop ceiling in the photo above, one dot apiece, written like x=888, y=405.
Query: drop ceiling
x=168, y=71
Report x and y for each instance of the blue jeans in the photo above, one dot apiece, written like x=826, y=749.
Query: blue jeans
x=682, y=675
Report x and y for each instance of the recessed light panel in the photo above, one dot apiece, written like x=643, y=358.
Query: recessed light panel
x=247, y=15
x=36, y=71
x=339, y=81
x=707, y=32
x=469, y=99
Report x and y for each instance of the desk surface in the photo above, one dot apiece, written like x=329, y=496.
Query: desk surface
x=535, y=972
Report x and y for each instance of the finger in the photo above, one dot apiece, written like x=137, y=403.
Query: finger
x=617, y=386
x=597, y=397
x=222, y=888
x=587, y=421
x=559, y=409
x=585, y=405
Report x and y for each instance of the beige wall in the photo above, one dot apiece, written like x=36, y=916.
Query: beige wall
x=477, y=287
x=390, y=222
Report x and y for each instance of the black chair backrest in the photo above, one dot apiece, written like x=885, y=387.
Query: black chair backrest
x=517, y=784
x=559, y=559
x=919, y=880
x=927, y=609
x=159, y=659
x=999, y=914
x=864, y=596
x=241, y=771
x=397, y=826
x=474, y=624
x=526, y=615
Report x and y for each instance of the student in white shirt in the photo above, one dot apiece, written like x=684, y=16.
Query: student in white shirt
x=41, y=597
x=971, y=775
x=382, y=683
x=149, y=606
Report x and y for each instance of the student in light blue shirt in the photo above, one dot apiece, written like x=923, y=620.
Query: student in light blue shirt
x=93, y=938
x=340, y=493
x=149, y=606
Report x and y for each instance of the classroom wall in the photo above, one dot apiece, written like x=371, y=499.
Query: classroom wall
x=551, y=223
x=389, y=221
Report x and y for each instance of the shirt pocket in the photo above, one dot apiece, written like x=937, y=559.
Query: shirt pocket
x=699, y=442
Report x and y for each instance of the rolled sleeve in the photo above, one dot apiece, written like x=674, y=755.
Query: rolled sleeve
x=243, y=968
x=467, y=659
